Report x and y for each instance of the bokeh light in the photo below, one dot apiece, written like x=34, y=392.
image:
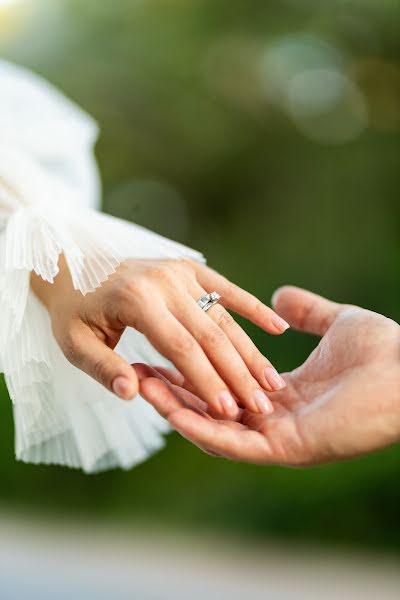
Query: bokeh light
x=9, y=2
x=13, y=14
x=326, y=106
x=305, y=76
x=291, y=55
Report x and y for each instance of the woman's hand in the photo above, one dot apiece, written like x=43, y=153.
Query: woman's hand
x=158, y=298
x=342, y=402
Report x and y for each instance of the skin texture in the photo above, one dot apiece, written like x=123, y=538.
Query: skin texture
x=219, y=361
x=344, y=401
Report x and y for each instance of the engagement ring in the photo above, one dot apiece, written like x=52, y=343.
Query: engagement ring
x=207, y=301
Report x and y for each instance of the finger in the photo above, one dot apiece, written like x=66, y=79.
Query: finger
x=259, y=366
x=217, y=438
x=240, y=301
x=174, y=342
x=91, y=355
x=166, y=398
x=160, y=395
x=143, y=371
x=222, y=354
x=304, y=310
x=183, y=389
x=170, y=375
x=173, y=379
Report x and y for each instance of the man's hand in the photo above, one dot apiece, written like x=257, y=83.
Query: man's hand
x=344, y=401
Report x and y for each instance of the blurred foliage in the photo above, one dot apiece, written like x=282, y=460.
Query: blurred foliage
x=194, y=146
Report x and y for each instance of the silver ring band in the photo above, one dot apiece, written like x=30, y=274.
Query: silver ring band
x=208, y=301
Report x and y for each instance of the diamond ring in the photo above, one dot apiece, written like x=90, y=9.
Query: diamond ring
x=207, y=301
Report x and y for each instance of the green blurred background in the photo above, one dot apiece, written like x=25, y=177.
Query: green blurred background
x=265, y=134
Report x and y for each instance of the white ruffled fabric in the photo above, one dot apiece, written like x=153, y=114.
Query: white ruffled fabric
x=49, y=189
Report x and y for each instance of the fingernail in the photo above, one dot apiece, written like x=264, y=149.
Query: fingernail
x=280, y=323
x=121, y=387
x=262, y=402
x=227, y=402
x=274, y=379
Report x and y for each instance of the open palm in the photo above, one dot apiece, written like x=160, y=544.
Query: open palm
x=342, y=402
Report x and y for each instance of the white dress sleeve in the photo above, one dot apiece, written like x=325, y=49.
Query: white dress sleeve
x=49, y=194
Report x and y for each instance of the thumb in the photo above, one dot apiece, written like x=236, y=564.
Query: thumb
x=87, y=352
x=304, y=310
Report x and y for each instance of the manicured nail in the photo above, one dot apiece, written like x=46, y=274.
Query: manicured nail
x=262, y=402
x=122, y=387
x=274, y=379
x=280, y=323
x=227, y=403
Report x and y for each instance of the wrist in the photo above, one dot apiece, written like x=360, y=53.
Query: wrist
x=52, y=294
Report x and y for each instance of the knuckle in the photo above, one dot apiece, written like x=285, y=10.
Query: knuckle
x=162, y=273
x=226, y=321
x=260, y=310
x=187, y=264
x=182, y=344
x=136, y=288
x=307, y=316
x=256, y=358
x=184, y=269
x=213, y=337
x=232, y=289
x=129, y=289
x=243, y=377
x=175, y=264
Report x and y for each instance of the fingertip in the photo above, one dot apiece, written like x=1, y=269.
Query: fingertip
x=125, y=388
x=106, y=367
x=151, y=386
x=279, y=324
x=226, y=405
x=262, y=403
x=280, y=293
x=143, y=371
x=274, y=379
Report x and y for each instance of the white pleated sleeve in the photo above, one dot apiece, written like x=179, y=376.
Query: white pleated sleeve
x=49, y=194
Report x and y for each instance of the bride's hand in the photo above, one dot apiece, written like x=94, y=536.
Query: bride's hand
x=158, y=298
